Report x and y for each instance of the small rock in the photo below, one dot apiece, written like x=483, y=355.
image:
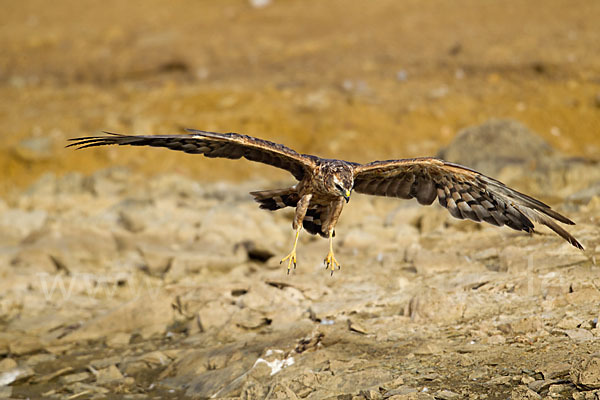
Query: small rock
x=527, y=325
x=15, y=375
x=55, y=374
x=500, y=380
x=586, y=373
x=118, y=340
x=79, y=387
x=132, y=221
x=430, y=376
x=156, y=358
x=7, y=364
x=72, y=378
x=569, y=323
x=400, y=391
x=40, y=358
x=524, y=393
x=371, y=394
x=579, y=334
x=109, y=375
x=22, y=223
x=555, y=370
x=541, y=385
x=559, y=388
x=478, y=374
x=446, y=395
x=34, y=149
x=250, y=319
x=356, y=327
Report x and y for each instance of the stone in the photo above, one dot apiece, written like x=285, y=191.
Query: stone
x=108, y=375
x=15, y=375
x=586, y=372
x=26, y=345
x=6, y=364
x=579, y=334
x=554, y=370
x=524, y=393
x=446, y=395
x=150, y=314
x=72, y=378
x=540, y=385
x=484, y=149
x=118, y=340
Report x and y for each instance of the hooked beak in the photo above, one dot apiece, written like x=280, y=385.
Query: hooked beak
x=347, y=196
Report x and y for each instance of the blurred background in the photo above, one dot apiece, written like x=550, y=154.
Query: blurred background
x=336, y=78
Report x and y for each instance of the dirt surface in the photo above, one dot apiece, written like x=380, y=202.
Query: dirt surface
x=145, y=273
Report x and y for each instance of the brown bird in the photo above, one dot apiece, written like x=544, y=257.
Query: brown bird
x=325, y=185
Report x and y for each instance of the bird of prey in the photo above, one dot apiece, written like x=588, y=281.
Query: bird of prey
x=325, y=185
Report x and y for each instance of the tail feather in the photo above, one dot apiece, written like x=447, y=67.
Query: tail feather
x=276, y=199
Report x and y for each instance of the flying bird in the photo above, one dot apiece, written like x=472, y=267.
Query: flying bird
x=325, y=185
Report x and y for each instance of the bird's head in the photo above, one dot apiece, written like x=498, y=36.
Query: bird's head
x=340, y=179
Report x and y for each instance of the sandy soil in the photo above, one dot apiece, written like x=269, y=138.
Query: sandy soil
x=141, y=273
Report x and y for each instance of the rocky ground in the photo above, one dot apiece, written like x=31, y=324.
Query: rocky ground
x=115, y=285
x=145, y=273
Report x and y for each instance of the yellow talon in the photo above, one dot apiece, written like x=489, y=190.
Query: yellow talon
x=292, y=256
x=291, y=260
x=330, y=261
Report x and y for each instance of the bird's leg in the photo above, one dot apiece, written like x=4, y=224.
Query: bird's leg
x=301, y=209
x=291, y=258
x=330, y=261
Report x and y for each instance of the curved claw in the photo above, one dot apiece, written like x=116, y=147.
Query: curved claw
x=291, y=260
x=331, y=263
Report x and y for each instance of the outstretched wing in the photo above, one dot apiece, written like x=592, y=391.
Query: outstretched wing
x=227, y=145
x=464, y=192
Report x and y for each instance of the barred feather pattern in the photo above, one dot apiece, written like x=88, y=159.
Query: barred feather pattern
x=276, y=199
x=212, y=145
x=466, y=194
x=316, y=215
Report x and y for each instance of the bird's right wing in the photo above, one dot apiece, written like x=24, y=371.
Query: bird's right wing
x=211, y=144
x=464, y=192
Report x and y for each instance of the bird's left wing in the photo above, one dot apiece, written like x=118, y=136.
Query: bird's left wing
x=464, y=192
x=211, y=144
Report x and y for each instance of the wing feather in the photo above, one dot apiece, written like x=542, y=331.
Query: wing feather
x=466, y=193
x=213, y=145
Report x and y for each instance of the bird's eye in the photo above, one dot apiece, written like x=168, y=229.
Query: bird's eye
x=339, y=187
